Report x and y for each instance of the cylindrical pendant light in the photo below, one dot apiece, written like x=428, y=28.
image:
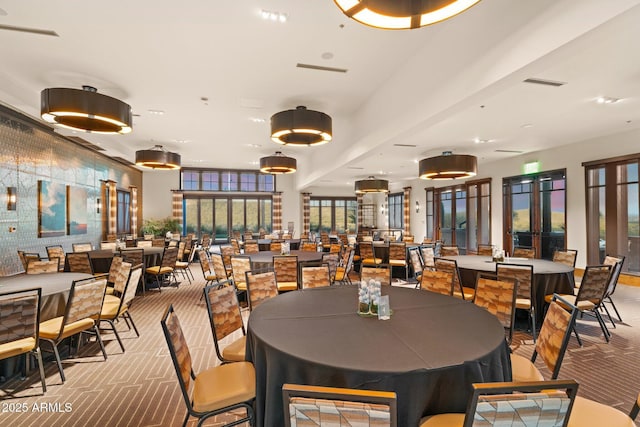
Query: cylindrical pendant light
x=278, y=164
x=158, y=158
x=372, y=185
x=301, y=127
x=448, y=166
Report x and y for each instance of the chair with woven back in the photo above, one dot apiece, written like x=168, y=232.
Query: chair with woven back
x=451, y=266
x=158, y=243
x=260, y=288
x=485, y=250
x=117, y=306
x=275, y=246
x=345, y=266
x=309, y=247
x=428, y=256
x=565, y=256
x=408, y=238
x=214, y=391
x=525, y=291
x=240, y=264
x=440, y=282
x=144, y=243
x=207, y=270
x=56, y=251
x=616, y=263
x=590, y=296
x=325, y=241
x=79, y=262
x=539, y=403
x=225, y=319
x=333, y=260
x=315, y=276
x=35, y=266
x=498, y=297
x=449, y=251
x=25, y=257
x=398, y=257
x=111, y=246
x=308, y=405
x=218, y=268
x=286, y=269
x=227, y=252
x=551, y=344
x=166, y=268
x=183, y=266
x=367, y=255
x=83, y=307
x=81, y=247
x=344, y=239
x=235, y=246
x=335, y=248
x=524, y=252
x=135, y=256
x=416, y=263
x=113, y=275
x=377, y=274
x=19, y=326
x=252, y=247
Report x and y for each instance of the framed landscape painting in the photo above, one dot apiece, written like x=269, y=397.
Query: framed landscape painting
x=76, y=210
x=52, y=207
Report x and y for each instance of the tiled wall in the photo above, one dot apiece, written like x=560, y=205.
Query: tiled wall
x=29, y=153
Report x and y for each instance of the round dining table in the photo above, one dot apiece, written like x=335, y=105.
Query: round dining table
x=429, y=352
x=548, y=277
x=101, y=258
x=266, y=257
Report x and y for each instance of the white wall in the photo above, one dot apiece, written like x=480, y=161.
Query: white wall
x=156, y=193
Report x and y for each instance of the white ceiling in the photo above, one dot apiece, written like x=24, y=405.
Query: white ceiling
x=437, y=88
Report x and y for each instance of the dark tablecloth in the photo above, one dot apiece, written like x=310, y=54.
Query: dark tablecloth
x=548, y=277
x=429, y=352
x=101, y=258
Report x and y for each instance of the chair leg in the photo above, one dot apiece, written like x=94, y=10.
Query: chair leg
x=41, y=368
x=115, y=331
x=97, y=331
x=606, y=310
x=575, y=331
x=127, y=315
x=186, y=418
x=532, y=315
x=614, y=308
x=57, y=355
x=603, y=326
x=634, y=411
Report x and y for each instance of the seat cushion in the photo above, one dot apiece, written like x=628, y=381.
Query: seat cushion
x=397, y=263
x=241, y=286
x=159, y=270
x=287, y=286
x=443, y=420
x=372, y=261
x=586, y=413
x=51, y=328
x=523, y=303
x=224, y=385
x=14, y=348
x=523, y=369
x=235, y=350
x=469, y=293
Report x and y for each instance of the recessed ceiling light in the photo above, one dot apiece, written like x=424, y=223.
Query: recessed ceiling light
x=181, y=141
x=255, y=162
x=607, y=100
x=254, y=145
x=327, y=55
x=526, y=126
x=257, y=119
x=156, y=112
x=481, y=141
x=274, y=16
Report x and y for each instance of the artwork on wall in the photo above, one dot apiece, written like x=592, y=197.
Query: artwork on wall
x=52, y=207
x=76, y=210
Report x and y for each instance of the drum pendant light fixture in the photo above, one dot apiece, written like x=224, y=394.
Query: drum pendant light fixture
x=301, y=127
x=448, y=166
x=157, y=158
x=278, y=164
x=372, y=185
x=85, y=110
x=402, y=14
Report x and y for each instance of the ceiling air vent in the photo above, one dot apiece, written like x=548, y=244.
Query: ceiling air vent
x=509, y=151
x=354, y=167
x=544, y=82
x=405, y=145
x=29, y=30
x=321, y=68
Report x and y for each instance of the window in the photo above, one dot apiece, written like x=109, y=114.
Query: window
x=396, y=210
x=331, y=214
x=226, y=180
x=613, y=210
x=123, y=223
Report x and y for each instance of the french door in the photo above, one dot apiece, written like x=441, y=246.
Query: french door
x=535, y=212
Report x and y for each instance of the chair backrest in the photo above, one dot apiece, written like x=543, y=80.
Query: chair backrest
x=133, y=256
x=25, y=257
x=416, y=260
x=485, y=250
x=19, y=317
x=79, y=262
x=205, y=265
x=347, y=258
x=56, y=251
x=179, y=351
x=616, y=262
x=181, y=247
x=428, y=255
x=594, y=284
x=107, y=246
x=286, y=268
x=275, y=246
x=158, y=243
x=227, y=252
x=344, y=239
x=81, y=247
x=261, y=287
x=235, y=246
x=537, y=403
x=172, y=243
x=377, y=274
x=223, y=308
x=449, y=251
x=554, y=334
x=524, y=252
x=366, y=249
x=408, y=238
x=437, y=281
x=315, y=276
x=35, y=266
x=218, y=267
x=397, y=251
x=565, y=256
x=116, y=261
x=251, y=247
x=169, y=257
x=121, y=277
x=498, y=297
x=521, y=273
x=309, y=247
x=332, y=259
x=324, y=238
x=129, y=294
x=144, y=243
x=332, y=406
x=205, y=241
x=450, y=266
x=148, y=236
x=240, y=265
x=85, y=300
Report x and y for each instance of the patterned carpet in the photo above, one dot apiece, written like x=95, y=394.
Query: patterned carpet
x=139, y=387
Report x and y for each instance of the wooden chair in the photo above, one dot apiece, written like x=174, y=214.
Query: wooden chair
x=428, y=254
x=451, y=266
x=367, y=255
x=227, y=252
x=398, y=257
x=309, y=247
x=314, y=276
x=56, y=251
x=525, y=291
x=331, y=406
x=81, y=315
x=135, y=256
x=260, y=288
x=286, y=269
x=333, y=260
x=25, y=257
x=225, y=319
x=183, y=266
x=219, y=269
x=215, y=390
x=416, y=263
x=275, y=246
x=35, y=266
x=19, y=326
x=616, y=263
x=207, y=270
x=551, y=344
x=498, y=298
x=379, y=274
x=107, y=246
x=524, y=252
x=251, y=247
x=539, y=403
x=144, y=243
x=240, y=264
x=440, y=282
x=345, y=267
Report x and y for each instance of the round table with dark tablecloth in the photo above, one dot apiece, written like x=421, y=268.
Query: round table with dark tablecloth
x=548, y=277
x=429, y=352
x=101, y=258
